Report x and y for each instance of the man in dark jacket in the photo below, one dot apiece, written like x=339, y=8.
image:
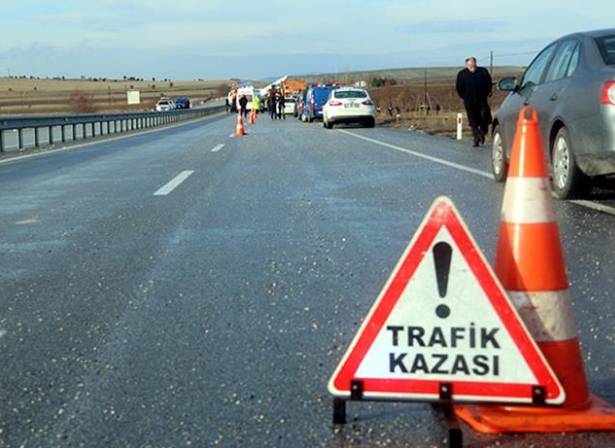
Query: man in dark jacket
x=243, y=104
x=474, y=87
x=281, y=106
x=272, y=104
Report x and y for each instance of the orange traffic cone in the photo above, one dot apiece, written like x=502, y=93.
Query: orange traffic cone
x=530, y=265
x=239, y=129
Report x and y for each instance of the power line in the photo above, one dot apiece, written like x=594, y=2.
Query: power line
x=502, y=55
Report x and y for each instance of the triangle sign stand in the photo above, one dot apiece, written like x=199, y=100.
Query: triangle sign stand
x=443, y=329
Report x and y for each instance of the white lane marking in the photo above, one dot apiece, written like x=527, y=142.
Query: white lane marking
x=444, y=162
x=595, y=206
x=232, y=135
x=217, y=147
x=173, y=183
x=26, y=221
x=583, y=203
x=49, y=152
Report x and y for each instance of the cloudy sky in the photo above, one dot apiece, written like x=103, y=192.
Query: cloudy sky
x=215, y=39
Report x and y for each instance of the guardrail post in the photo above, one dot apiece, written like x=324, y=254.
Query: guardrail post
x=20, y=138
x=1, y=140
x=63, y=133
x=36, y=138
x=50, y=139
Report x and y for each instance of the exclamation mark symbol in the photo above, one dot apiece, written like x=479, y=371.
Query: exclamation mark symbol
x=442, y=253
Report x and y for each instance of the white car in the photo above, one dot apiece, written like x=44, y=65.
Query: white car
x=290, y=106
x=164, y=105
x=349, y=105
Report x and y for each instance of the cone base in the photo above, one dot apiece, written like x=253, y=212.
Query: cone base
x=595, y=415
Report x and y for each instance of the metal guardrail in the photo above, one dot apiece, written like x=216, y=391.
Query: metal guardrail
x=49, y=130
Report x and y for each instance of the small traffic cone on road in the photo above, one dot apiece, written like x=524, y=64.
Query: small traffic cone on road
x=530, y=264
x=239, y=129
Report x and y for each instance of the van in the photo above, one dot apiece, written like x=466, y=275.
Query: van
x=315, y=98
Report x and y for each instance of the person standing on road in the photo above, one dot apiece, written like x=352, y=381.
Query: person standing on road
x=281, y=105
x=256, y=104
x=271, y=104
x=234, y=102
x=243, y=105
x=474, y=86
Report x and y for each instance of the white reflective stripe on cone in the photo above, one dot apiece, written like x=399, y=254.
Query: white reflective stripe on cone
x=547, y=315
x=527, y=200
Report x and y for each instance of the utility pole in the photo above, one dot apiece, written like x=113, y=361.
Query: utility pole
x=491, y=63
x=425, y=88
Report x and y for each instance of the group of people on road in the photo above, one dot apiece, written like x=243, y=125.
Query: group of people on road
x=276, y=104
x=474, y=86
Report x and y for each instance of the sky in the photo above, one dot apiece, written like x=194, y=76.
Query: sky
x=221, y=39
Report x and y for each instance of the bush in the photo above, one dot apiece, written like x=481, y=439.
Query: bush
x=80, y=103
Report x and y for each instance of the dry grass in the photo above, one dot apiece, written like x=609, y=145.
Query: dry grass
x=33, y=96
x=412, y=106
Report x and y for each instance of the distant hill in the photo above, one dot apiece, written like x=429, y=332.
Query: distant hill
x=403, y=74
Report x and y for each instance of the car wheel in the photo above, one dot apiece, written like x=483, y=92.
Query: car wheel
x=499, y=164
x=568, y=180
x=370, y=123
x=327, y=124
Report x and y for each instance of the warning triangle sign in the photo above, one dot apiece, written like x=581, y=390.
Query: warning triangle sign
x=444, y=328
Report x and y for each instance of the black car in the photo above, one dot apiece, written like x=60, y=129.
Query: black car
x=182, y=102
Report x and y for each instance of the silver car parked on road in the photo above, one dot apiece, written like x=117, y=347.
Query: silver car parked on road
x=571, y=84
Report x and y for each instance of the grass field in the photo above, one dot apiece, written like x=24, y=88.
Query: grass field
x=46, y=96
x=402, y=75
x=430, y=107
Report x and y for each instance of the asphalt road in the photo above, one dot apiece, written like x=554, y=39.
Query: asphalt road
x=188, y=288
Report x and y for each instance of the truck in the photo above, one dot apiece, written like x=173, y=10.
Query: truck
x=291, y=87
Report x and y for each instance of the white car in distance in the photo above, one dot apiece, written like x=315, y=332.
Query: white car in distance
x=164, y=105
x=290, y=106
x=349, y=105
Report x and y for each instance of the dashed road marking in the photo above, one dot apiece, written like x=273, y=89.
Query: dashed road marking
x=26, y=221
x=104, y=139
x=173, y=183
x=217, y=148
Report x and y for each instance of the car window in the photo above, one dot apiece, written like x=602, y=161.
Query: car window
x=561, y=61
x=574, y=61
x=350, y=94
x=322, y=93
x=534, y=72
x=606, y=45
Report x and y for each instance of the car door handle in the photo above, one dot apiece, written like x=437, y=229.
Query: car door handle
x=554, y=97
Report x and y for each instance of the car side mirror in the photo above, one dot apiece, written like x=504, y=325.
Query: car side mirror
x=508, y=84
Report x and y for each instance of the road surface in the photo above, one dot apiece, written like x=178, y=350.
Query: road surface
x=188, y=288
